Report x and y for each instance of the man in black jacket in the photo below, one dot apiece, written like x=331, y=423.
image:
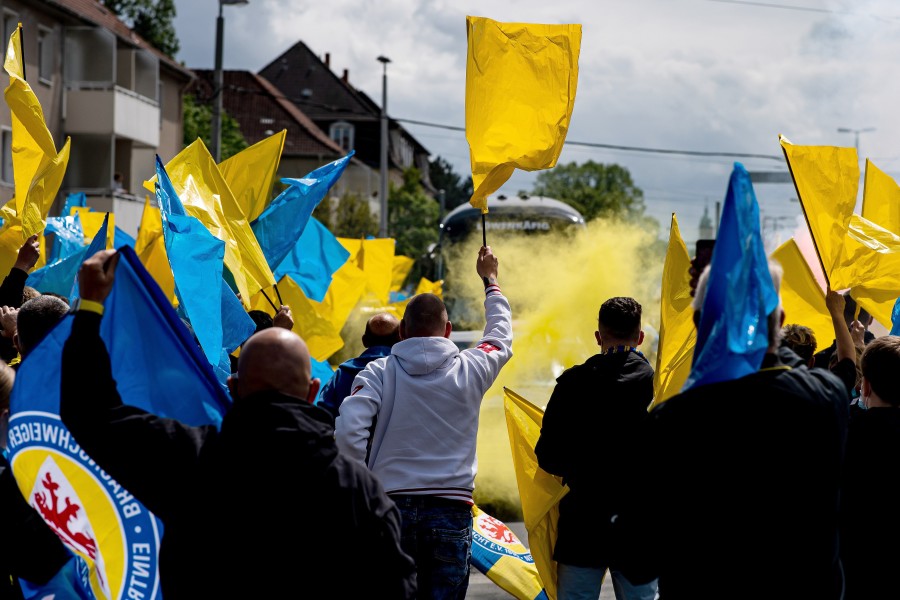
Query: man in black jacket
x=265, y=507
x=587, y=438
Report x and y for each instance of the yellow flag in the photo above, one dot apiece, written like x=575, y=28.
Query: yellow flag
x=37, y=167
x=881, y=199
x=402, y=266
x=870, y=267
x=827, y=182
x=92, y=221
x=677, y=333
x=150, y=246
x=539, y=491
x=206, y=196
x=378, y=265
x=250, y=173
x=347, y=286
x=353, y=246
x=802, y=299
x=426, y=286
x=520, y=90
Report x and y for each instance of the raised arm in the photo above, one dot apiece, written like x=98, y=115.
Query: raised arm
x=495, y=347
x=845, y=347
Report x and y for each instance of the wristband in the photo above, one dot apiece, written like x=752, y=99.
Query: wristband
x=90, y=306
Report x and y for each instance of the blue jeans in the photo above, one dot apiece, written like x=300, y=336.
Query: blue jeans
x=437, y=533
x=584, y=583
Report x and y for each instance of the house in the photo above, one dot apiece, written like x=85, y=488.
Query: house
x=116, y=96
x=261, y=110
x=346, y=114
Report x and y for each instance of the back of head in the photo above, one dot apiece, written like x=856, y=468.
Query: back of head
x=880, y=364
x=425, y=316
x=262, y=320
x=29, y=293
x=619, y=320
x=36, y=318
x=382, y=329
x=276, y=360
x=800, y=339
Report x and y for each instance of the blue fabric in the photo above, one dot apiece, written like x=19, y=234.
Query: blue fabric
x=71, y=582
x=279, y=226
x=335, y=389
x=68, y=237
x=313, y=260
x=733, y=334
x=322, y=371
x=62, y=277
x=895, y=318
x=73, y=200
x=122, y=239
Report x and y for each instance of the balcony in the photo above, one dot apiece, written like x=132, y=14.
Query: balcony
x=116, y=111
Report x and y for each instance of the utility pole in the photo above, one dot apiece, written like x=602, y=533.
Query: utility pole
x=383, y=192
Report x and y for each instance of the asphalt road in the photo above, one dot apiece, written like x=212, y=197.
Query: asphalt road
x=482, y=588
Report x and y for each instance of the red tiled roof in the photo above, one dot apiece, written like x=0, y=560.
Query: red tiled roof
x=95, y=13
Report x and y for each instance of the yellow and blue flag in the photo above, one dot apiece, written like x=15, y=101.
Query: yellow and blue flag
x=498, y=553
x=61, y=277
x=733, y=334
x=313, y=260
x=150, y=349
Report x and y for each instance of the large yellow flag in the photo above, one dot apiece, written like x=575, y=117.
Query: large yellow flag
x=376, y=259
x=150, y=246
x=520, y=90
x=250, y=173
x=37, y=167
x=881, y=199
x=827, y=182
x=539, y=491
x=347, y=286
x=402, y=266
x=677, y=333
x=206, y=196
x=802, y=299
x=92, y=221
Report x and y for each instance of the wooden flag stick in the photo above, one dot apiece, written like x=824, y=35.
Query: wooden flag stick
x=277, y=293
x=270, y=300
x=483, y=232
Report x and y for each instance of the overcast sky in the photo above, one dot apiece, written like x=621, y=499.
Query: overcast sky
x=708, y=75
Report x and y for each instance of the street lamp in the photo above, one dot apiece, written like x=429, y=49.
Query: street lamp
x=856, y=133
x=383, y=193
x=216, y=126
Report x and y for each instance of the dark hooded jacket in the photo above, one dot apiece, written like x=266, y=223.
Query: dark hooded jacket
x=265, y=507
x=587, y=438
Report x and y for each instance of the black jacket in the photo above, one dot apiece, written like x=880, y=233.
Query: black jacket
x=741, y=488
x=587, y=433
x=263, y=508
x=11, y=294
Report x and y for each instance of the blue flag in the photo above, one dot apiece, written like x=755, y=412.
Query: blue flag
x=279, y=226
x=68, y=237
x=733, y=334
x=313, y=260
x=157, y=367
x=61, y=277
x=122, y=239
x=73, y=200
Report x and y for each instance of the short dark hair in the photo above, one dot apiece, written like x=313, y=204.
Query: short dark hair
x=425, y=316
x=262, y=319
x=620, y=317
x=55, y=295
x=800, y=339
x=36, y=318
x=880, y=364
x=382, y=329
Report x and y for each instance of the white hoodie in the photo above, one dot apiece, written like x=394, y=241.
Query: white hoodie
x=425, y=400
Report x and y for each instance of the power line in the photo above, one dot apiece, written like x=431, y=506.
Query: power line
x=804, y=9
x=620, y=147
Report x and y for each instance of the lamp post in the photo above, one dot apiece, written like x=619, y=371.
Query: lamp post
x=216, y=125
x=383, y=192
x=856, y=133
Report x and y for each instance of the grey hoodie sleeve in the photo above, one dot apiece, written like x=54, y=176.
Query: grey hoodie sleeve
x=358, y=411
x=495, y=348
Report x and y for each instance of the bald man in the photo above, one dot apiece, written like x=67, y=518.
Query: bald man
x=412, y=417
x=382, y=332
x=258, y=508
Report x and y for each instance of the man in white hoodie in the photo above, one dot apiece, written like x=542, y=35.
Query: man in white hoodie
x=412, y=417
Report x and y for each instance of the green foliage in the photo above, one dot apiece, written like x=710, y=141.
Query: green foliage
x=198, y=124
x=595, y=189
x=412, y=216
x=456, y=189
x=153, y=20
x=348, y=217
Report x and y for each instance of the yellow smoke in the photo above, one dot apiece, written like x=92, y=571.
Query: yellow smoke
x=555, y=284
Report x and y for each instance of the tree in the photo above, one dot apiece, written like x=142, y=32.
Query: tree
x=349, y=216
x=198, y=124
x=412, y=216
x=153, y=20
x=595, y=189
x=456, y=189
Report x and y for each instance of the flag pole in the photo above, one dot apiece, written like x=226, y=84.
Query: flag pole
x=270, y=300
x=277, y=293
x=483, y=232
x=22, y=51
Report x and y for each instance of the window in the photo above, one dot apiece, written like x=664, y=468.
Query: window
x=45, y=55
x=342, y=133
x=6, y=166
x=10, y=22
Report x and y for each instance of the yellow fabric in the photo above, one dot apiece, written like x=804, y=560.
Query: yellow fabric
x=426, y=286
x=802, y=299
x=347, y=286
x=520, y=90
x=677, y=333
x=351, y=245
x=402, y=266
x=376, y=259
x=320, y=335
x=250, y=174
x=91, y=222
x=870, y=267
x=511, y=571
x=539, y=491
x=827, y=182
x=150, y=246
x=206, y=196
x=90, y=306
x=881, y=199
x=37, y=167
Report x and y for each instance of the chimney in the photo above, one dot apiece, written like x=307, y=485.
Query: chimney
x=328, y=59
x=346, y=76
